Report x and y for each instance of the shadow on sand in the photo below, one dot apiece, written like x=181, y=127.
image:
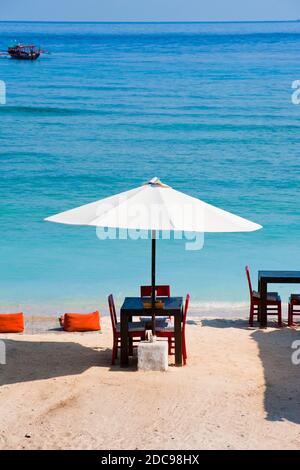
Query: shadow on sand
x=30, y=360
x=282, y=377
x=226, y=323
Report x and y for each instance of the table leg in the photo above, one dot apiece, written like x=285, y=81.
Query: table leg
x=258, y=308
x=178, y=339
x=263, y=304
x=130, y=340
x=124, y=340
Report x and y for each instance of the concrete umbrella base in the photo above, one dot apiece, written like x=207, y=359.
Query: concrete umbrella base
x=153, y=355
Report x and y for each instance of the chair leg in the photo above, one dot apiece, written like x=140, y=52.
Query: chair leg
x=279, y=315
x=114, y=352
x=169, y=346
x=251, y=315
x=184, y=354
x=291, y=315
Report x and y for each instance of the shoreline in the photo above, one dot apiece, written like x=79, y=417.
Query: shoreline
x=39, y=323
x=44, y=309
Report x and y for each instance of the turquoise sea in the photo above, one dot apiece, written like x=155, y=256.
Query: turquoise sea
x=204, y=106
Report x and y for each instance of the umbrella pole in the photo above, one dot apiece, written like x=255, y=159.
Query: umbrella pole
x=153, y=278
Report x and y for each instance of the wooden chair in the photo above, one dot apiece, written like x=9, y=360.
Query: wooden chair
x=273, y=303
x=136, y=330
x=160, y=291
x=294, y=301
x=168, y=332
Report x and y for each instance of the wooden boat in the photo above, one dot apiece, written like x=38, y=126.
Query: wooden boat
x=24, y=52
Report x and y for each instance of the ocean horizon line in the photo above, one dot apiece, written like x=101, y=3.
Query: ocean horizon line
x=151, y=22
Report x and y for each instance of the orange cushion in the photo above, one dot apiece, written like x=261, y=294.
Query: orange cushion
x=82, y=321
x=12, y=323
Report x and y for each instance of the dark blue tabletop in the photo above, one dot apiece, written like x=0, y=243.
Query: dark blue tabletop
x=135, y=305
x=279, y=276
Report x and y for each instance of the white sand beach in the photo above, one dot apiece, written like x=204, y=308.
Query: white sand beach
x=238, y=391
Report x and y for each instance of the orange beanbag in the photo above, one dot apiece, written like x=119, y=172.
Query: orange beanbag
x=12, y=323
x=81, y=321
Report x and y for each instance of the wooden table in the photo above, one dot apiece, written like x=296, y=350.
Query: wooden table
x=272, y=277
x=134, y=306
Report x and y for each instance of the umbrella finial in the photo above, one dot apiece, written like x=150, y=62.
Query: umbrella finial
x=156, y=182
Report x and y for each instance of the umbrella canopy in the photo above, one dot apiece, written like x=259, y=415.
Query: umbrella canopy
x=155, y=206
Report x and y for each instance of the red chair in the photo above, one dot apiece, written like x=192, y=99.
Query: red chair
x=135, y=329
x=168, y=332
x=273, y=303
x=160, y=291
x=293, y=302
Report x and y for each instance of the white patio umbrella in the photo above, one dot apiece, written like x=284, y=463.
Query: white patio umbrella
x=157, y=207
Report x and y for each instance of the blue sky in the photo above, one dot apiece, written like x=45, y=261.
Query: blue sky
x=149, y=10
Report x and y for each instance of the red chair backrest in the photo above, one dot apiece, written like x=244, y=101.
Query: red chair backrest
x=161, y=291
x=186, y=307
x=112, y=310
x=249, y=280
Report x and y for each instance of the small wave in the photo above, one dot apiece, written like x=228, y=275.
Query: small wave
x=212, y=306
x=45, y=110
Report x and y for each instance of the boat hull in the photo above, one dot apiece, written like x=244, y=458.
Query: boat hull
x=23, y=56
